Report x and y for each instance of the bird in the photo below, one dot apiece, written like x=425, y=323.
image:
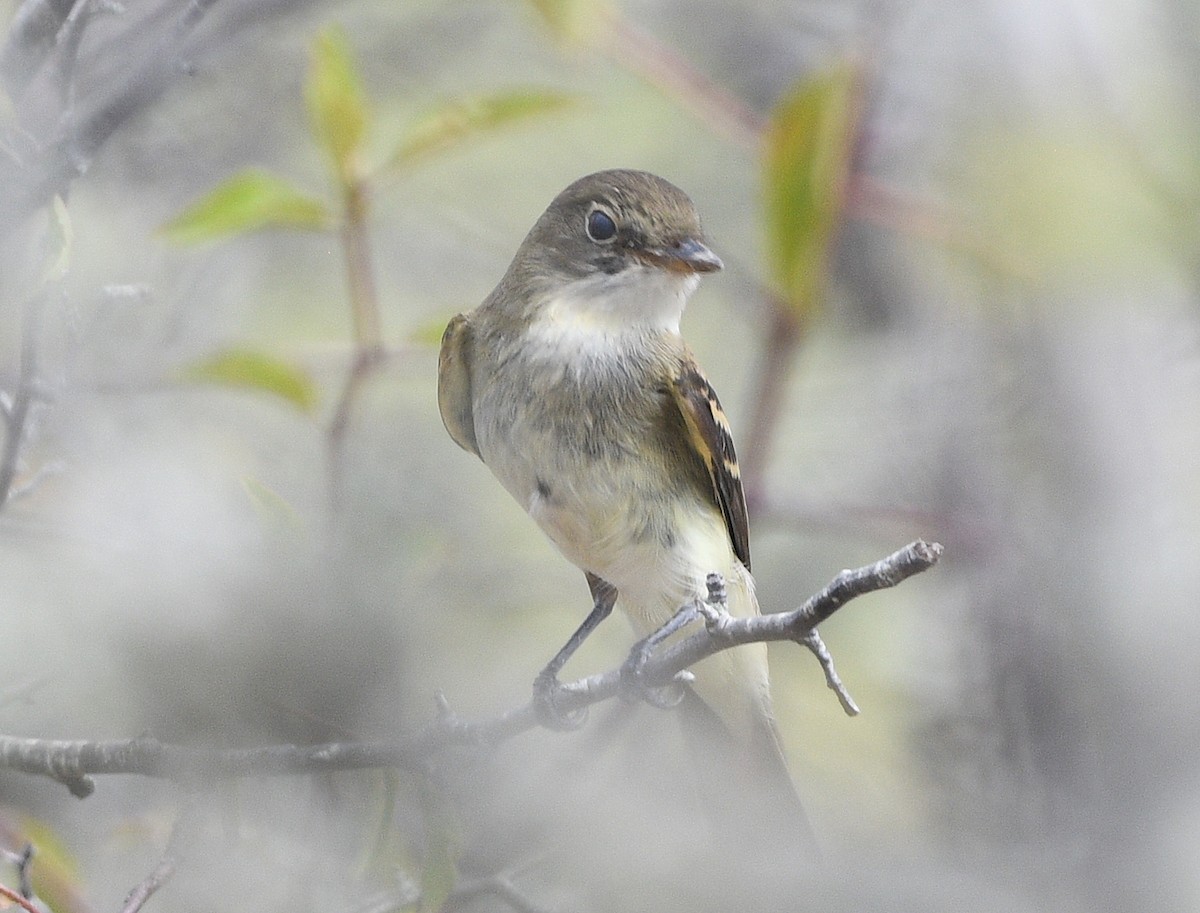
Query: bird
x=574, y=386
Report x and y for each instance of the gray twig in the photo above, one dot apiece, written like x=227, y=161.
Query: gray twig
x=74, y=762
x=498, y=886
x=17, y=413
x=163, y=872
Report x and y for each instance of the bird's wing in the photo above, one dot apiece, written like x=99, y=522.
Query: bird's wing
x=710, y=437
x=454, y=383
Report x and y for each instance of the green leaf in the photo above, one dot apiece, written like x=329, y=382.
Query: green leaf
x=458, y=120
x=337, y=105
x=249, y=200
x=55, y=872
x=808, y=145
x=429, y=332
x=571, y=21
x=250, y=370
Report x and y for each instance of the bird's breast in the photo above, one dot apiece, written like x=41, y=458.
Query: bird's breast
x=586, y=449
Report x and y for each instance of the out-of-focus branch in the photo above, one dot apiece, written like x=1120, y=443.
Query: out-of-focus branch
x=16, y=412
x=31, y=37
x=73, y=763
x=150, y=884
x=163, y=872
x=368, y=332
x=497, y=886
x=85, y=127
x=674, y=76
x=781, y=342
x=21, y=861
x=15, y=897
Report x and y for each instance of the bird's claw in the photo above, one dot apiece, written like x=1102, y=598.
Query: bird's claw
x=547, y=700
x=634, y=687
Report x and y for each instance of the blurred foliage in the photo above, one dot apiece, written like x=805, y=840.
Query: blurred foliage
x=337, y=105
x=248, y=201
x=572, y=21
x=458, y=121
x=182, y=575
x=59, y=243
x=439, y=861
x=1067, y=203
x=274, y=510
x=54, y=871
x=808, y=150
x=257, y=371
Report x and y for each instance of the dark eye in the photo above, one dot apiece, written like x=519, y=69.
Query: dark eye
x=600, y=226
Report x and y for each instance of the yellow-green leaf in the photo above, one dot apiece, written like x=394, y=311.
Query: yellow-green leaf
x=571, y=21
x=250, y=370
x=429, y=332
x=271, y=506
x=249, y=200
x=439, y=868
x=458, y=120
x=54, y=870
x=808, y=145
x=337, y=105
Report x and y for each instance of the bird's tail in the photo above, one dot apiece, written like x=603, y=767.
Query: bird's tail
x=730, y=727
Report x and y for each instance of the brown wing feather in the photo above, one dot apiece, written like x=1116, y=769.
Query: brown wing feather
x=712, y=440
x=454, y=384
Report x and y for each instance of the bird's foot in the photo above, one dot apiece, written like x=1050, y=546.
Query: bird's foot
x=548, y=694
x=634, y=686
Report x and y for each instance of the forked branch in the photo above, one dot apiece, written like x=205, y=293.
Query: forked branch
x=73, y=763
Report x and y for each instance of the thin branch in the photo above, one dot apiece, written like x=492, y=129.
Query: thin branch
x=139, y=895
x=67, y=43
x=675, y=77
x=22, y=861
x=368, y=328
x=785, y=332
x=497, y=886
x=832, y=679
x=40, y=475
x=23, y=902
x=163, y=872
x=67, y=153
x=74, y=762
x=31, y=37
x=18, y=414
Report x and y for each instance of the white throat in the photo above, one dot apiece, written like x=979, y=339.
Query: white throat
x=590, y=315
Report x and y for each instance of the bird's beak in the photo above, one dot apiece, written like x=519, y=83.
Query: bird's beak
x=686, y=256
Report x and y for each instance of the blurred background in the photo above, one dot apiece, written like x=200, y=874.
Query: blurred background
x=960, y=303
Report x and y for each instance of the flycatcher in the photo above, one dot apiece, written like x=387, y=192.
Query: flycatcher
x=572, y=383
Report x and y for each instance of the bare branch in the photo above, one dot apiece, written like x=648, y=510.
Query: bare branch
x=23, y=902
x=80, y=134
x=30, y=39
x=162, y=872
x=161, y=875
x=22, y=400
x=497, y=886
x=73, y=762
x=832, y=679
x=21, y=861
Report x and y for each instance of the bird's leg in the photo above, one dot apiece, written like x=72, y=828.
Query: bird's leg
x=631, y=671
x=546, y=686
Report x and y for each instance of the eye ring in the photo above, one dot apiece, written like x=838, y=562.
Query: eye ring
x=600, y=226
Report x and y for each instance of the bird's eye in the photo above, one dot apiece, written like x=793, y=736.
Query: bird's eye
x=600, y=226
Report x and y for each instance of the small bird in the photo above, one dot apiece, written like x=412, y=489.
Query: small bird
x=574, y=386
